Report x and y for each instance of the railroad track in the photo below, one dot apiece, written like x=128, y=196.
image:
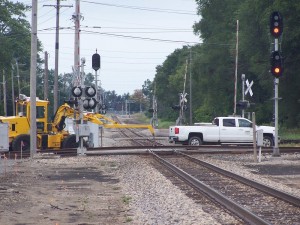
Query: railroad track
x=254, y=203
x=136, y=138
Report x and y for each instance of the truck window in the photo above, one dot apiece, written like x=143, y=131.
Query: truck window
x=244, y=123
x=229, y=122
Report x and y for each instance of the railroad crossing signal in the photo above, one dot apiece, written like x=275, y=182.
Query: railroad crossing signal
x=89, y=102
x=276, y=24
x=276, y=64
x=183, y=97
x=249, y=88
x=76, y=91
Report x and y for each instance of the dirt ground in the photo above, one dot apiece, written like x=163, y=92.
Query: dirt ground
x=52, y=191
x=76, y=190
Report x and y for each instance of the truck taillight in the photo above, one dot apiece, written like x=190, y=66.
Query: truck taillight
x=176, y=130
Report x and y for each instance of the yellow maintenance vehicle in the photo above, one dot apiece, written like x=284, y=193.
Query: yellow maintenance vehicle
x=52, y=135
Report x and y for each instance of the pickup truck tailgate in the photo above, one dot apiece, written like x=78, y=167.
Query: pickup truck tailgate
x=173, y=132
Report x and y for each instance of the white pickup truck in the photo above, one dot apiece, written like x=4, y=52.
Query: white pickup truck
x=221, y=130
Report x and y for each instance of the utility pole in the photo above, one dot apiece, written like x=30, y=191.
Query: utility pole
x=33, y=62
x=18, y=76
x=236, y=66
x=191, y=107
x=78, y=76
x=55, y=89
x=76, y=18
x=4, y=94
x=46, y=85
x=13, y=90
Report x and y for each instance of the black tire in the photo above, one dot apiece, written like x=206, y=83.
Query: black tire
x=268, y=141
x=70, y=142
x=17, y=142
x=195, y=141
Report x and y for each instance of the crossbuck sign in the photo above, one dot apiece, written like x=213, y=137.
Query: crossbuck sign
x=249, y=88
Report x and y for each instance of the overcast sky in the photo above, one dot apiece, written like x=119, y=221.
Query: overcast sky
x=130, y=36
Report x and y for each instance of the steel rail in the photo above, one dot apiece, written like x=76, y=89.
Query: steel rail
x=261, y=187
x=238, y=210
x=204, y=149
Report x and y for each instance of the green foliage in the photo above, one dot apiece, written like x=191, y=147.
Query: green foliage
x=15, y=50
x=289, y=134
x=162, y=124
x=213, y=62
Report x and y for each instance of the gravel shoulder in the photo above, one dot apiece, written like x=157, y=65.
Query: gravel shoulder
x=120, y=189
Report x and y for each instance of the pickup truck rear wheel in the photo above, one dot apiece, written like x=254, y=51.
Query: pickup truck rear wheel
x=195, y=141
x=268, y=141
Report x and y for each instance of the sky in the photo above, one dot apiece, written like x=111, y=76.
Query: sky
x=131, y=36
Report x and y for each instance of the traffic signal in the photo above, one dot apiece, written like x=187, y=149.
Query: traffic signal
x=243, y=104
x=151, y=110
x=176, y=107
x=276, y=24
x=276, y=64
x=96, y=61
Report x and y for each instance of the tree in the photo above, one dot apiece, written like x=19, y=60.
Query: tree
x=15, y=43
x=140, y=99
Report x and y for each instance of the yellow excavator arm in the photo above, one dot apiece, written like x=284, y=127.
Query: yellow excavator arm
x=66, y=111
x=110, y=123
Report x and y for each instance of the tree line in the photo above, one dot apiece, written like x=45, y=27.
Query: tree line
x=212, y=62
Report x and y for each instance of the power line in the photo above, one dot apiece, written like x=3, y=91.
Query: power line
x=139, y=38
x=124, y=28
x=160, y=10
x=132, y=37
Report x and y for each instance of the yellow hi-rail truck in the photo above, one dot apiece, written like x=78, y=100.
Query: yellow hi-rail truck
x=51, y=135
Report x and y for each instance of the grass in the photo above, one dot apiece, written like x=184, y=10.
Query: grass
x=289, y=134
x=128, y=219
x=126, y=199
x=145, y=120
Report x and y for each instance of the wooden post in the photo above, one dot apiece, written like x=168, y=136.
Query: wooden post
x=254, y=137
